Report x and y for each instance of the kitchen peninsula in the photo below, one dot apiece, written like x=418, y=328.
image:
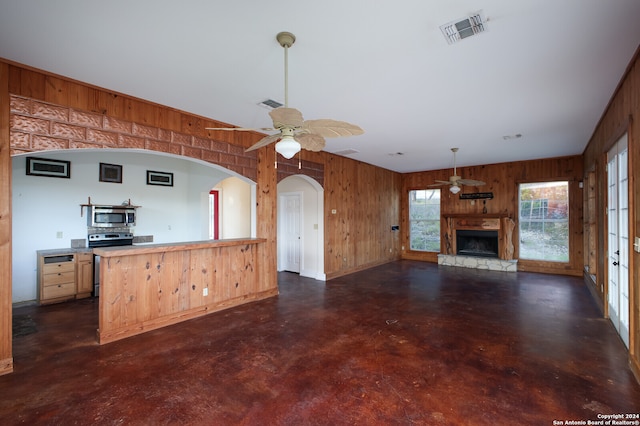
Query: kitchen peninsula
x=146, y=287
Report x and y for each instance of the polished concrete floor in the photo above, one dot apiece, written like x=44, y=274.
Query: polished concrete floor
x=404, y=343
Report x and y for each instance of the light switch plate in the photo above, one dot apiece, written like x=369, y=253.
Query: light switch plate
x=636, y=244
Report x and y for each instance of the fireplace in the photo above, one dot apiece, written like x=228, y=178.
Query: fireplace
x=478, y=236
x=477, y=243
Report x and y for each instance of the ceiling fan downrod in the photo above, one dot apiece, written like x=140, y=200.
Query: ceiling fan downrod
x=286, y=40
x=454, y=150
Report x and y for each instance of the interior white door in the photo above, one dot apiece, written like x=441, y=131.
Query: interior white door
x=618, y=238
x=290, y=226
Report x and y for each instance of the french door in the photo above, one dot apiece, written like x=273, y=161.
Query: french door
x=618, y=240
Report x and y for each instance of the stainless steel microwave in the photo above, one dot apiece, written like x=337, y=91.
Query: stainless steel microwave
x=111, y=216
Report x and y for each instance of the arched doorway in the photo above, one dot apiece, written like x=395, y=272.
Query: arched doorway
x=311, y=211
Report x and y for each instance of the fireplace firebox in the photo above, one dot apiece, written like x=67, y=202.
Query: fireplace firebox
x=477, y=243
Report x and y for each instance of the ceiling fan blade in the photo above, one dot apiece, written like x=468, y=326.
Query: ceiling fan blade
x=264, y=142
x=471, y=182
x=443, y=182
x=286, y=117
x=331, y=128
x=242, y=129
x=440, y=183
x=311, y=141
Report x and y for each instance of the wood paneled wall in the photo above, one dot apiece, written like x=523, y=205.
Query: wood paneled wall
x=622, y=115
x=503, y=180
x=362, y=203
x=58, y=90
x=147, y=287
x=6, y=357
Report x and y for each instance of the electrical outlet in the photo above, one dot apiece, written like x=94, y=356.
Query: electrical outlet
x=205, y=291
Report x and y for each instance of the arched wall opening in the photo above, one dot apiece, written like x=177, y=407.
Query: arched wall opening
x=47, y=214
x=312, y=224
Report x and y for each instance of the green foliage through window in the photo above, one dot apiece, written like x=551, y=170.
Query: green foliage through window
x=544, y=221
x=424, y=220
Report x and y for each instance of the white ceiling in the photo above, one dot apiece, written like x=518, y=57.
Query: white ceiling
x=545, y=68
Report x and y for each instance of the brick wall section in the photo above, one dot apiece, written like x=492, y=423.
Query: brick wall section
x=293, y=167
x=40, y=126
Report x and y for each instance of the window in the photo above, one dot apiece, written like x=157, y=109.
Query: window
x=544, y=221
x=424, y=220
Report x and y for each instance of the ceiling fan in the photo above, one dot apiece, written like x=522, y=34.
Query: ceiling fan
x=294, y=132
x=455, y=181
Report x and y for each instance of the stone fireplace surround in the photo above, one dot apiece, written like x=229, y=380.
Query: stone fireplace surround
x=504, y=226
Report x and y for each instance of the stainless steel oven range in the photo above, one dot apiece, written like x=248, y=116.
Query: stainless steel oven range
x=106, y=239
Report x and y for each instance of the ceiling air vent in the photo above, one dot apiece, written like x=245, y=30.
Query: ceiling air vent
x=270, y=104
x=465, y=27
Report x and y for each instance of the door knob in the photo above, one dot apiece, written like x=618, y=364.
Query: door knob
x=615, y=263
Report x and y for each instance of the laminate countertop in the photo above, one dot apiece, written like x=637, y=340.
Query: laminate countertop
x=62, y=251
x=180, y=246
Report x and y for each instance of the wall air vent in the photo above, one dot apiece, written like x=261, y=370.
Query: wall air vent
x=270, y=104
x=464, y=27
x=346, y=152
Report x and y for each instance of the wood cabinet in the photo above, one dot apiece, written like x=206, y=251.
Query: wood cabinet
x=84, y=274
x=64, y=275
x=56, y=277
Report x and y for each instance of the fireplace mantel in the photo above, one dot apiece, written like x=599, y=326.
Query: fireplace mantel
x=486, y=222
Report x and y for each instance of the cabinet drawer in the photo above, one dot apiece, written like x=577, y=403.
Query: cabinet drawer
x=54, y=268
x=59, y=278
x=84, y=257
x=59, y=290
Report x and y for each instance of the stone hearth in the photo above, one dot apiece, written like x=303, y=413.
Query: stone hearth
x=475, y=262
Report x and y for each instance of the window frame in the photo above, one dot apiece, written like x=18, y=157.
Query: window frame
x=565, y=181
x=438, y=220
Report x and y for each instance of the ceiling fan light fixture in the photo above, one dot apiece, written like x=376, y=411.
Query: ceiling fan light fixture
x=287, y=147
x=454, y=189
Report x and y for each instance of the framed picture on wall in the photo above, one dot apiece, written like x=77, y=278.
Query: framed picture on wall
x=110, y=173
x=159, y=178
x=49, y=168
